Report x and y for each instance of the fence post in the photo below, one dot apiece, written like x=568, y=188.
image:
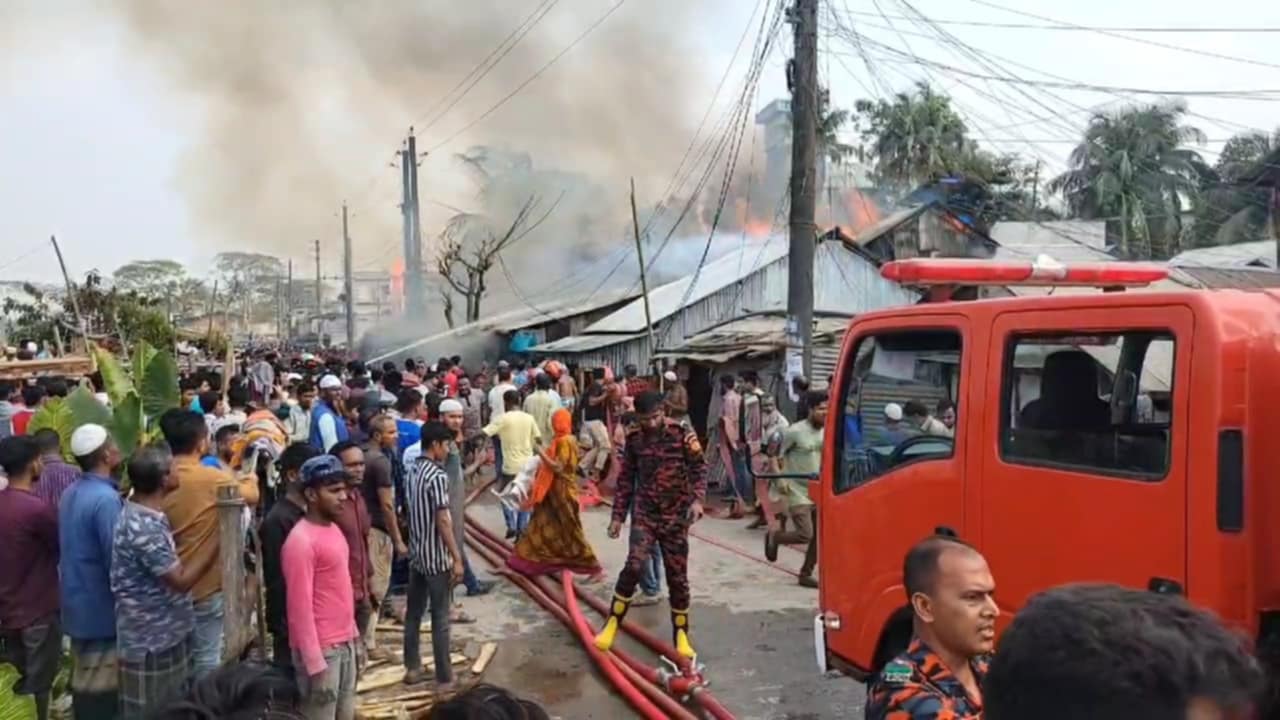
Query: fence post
x=236, y=627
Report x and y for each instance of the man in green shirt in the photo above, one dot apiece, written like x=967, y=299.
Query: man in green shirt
x=801, y=455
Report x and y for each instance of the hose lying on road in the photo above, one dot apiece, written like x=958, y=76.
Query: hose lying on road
x=644, y=697
x=680, y=684
x=643, y=636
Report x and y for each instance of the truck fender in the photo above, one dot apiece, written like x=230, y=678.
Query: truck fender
x=886, y=630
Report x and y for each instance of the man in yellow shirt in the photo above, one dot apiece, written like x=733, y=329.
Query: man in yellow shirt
x=518, y=433
x=192, y=510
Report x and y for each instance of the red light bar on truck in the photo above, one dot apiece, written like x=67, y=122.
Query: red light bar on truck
x=1043, y=271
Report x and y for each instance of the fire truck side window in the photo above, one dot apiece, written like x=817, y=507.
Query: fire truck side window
x=1100, y=403
x=898, y=404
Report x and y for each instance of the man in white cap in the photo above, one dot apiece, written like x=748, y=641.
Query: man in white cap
x=894, y=433
x=677, y=399
x=328, y=428
x=87, y=517
x=452, y=414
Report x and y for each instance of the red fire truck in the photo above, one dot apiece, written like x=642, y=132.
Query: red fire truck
x=1098, y=436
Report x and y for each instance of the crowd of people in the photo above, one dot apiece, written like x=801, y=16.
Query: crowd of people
x=350, y=475
x=356, y=478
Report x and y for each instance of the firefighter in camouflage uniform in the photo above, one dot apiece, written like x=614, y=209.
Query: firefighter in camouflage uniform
x=663, y=471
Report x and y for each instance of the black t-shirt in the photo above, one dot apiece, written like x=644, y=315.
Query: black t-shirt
x=595, y=412
x=378, y=473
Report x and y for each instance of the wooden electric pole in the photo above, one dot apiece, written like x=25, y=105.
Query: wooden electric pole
x=803, y=233
x=71, y=294
x=347, y=285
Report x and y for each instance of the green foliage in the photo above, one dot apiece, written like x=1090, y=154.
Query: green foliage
x=1135, y=169
x=136, y=402
x=914, y=138
x=1232, y=210
x=159, y=386
x=55, y=415
x=107, y=312
x=13, y=706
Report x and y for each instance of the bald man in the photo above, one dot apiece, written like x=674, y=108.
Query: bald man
x=952, y=597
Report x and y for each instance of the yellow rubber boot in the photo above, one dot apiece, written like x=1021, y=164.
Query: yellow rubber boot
x=617, y=611
x=680, y=628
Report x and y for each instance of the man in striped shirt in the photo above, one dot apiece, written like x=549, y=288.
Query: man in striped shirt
x=435, y=561
x=58, y=475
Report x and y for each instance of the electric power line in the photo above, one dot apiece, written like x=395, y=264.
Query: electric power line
x=531, y=78
x=1084, y=28
x=1144, y=41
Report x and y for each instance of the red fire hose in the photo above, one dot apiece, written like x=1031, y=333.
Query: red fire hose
x=632, y=681
x=677, y=684
x=680, y=684
x=640, y=634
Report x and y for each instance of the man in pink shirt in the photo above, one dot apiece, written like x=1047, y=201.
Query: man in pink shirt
x=320, y=603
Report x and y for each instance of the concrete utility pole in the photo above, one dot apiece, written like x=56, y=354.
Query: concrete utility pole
x=347, y=284
x=288, y=303
x=804, y=139
x=319, y=322
x=415, y=301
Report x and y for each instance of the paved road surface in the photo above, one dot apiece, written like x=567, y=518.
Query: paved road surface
x=751, y=624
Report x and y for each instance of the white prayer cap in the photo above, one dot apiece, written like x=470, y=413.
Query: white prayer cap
x=330, y=382
x=893, y=411
x=87, y=438
x=31, y=347
x=670, y=376
x=450, y=405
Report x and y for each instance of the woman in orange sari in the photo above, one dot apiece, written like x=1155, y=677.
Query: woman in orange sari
x=555, y=540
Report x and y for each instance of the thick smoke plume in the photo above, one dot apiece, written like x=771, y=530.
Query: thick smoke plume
x=302, y=104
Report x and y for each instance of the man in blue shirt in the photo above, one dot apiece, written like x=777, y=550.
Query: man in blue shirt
x=328, y=427
x=87, y=518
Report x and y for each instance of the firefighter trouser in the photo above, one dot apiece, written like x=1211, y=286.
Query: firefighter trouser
x=672, y=536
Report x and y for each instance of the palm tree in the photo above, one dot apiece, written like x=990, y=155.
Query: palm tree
x=1133, y=165
x=914, y=139
x=1233, y=209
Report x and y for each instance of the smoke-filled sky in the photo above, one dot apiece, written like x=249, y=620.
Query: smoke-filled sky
x=149, y=128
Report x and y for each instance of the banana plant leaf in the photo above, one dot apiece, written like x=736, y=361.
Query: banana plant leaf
x=55, y=415
x=158, y=386
x=143, y=354
x=114, y=376
x=127, y=423
x=86, y=409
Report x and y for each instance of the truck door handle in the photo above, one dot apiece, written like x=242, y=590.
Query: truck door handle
x=1165, y=586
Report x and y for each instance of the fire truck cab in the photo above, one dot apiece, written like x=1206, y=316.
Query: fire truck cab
x=1099, y=436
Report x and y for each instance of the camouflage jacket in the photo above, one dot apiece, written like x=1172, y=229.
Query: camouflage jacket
x=918, y=686
x=662, y=472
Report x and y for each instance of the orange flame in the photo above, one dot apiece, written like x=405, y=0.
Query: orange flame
x=860, y=212
x=397, y=284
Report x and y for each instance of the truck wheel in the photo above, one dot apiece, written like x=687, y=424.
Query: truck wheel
x=894, y=639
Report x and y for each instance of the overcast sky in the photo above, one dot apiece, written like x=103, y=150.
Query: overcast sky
x=94, y=132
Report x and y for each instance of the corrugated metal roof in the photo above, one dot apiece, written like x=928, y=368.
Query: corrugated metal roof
x=669, y=299
x=545, y=312
x=518, y=318
x=889, y=222
x=1215, y=278
x=584, y=343
x=1261, y=253
x=754, y=335
x=1064, y=240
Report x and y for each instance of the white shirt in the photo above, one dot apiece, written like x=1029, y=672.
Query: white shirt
x=496, y=406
